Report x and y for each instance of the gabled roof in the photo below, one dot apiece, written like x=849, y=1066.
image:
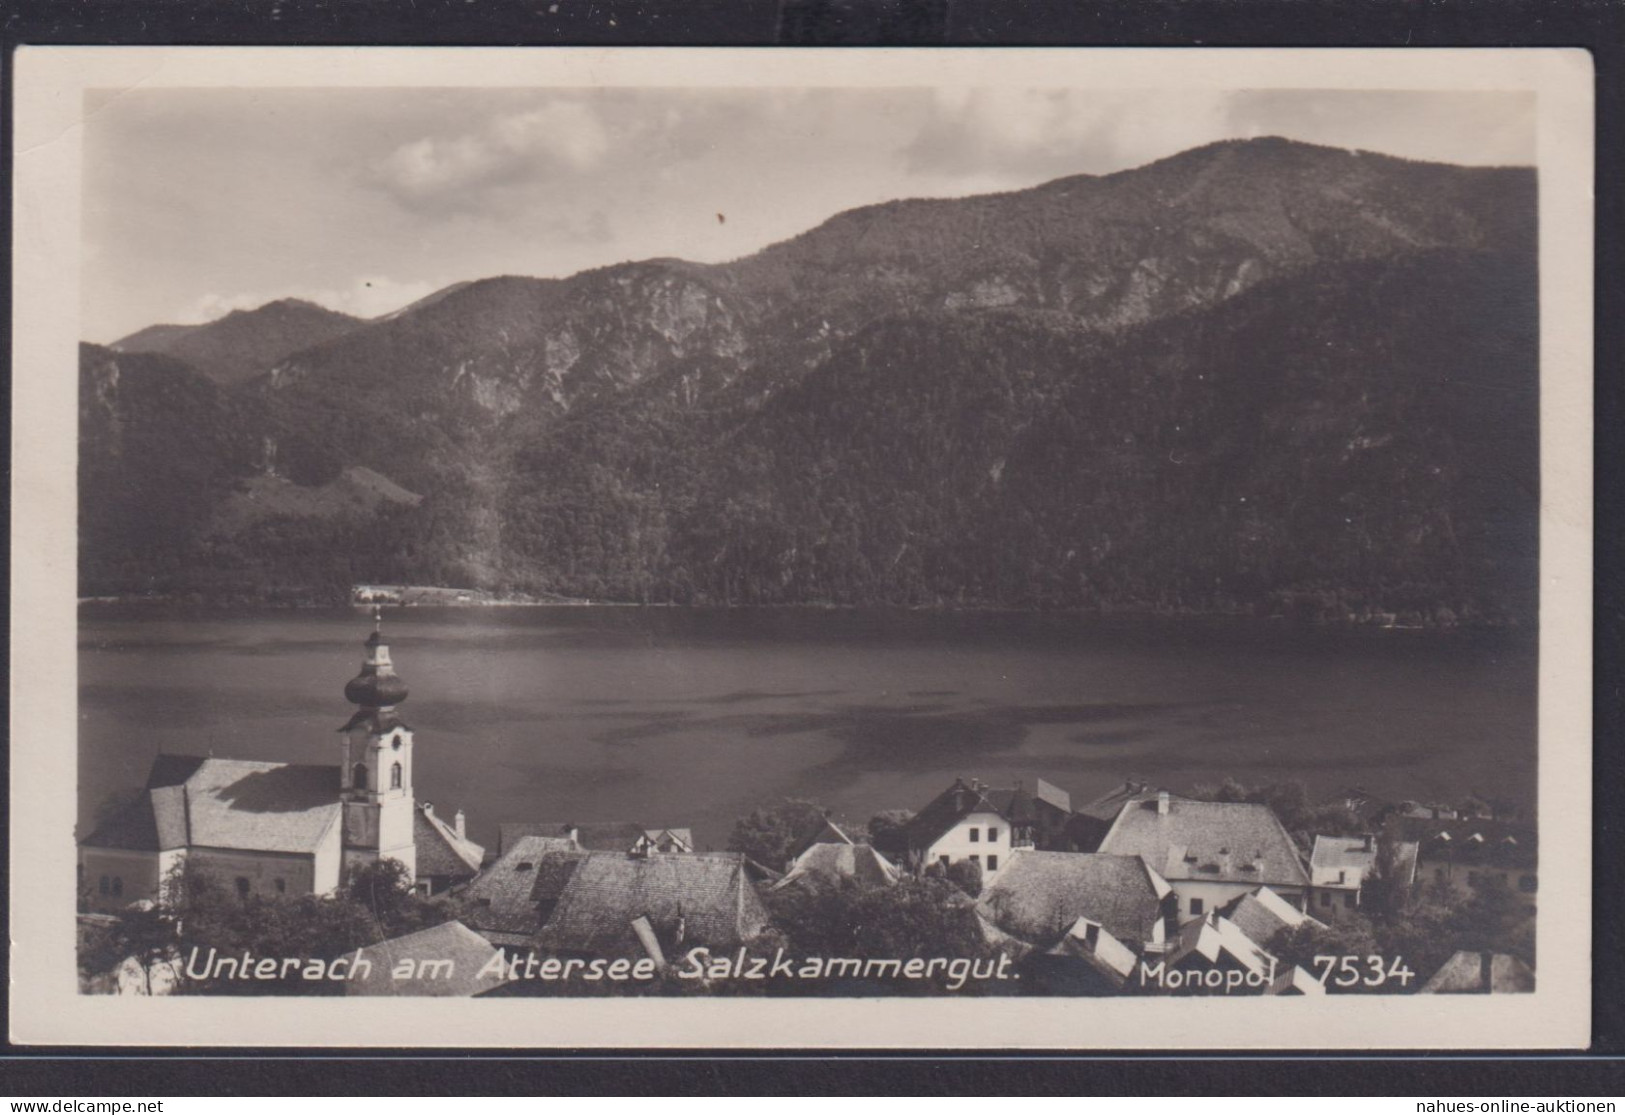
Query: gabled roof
x=1102, y=951
x=508, y=903
x=1471, y=840
x=944, y=811
x=681, y=837
x=591, y=836
x=706, y=896
x=1262, y=914
x=1208, y=841
x=1341, y=860
x=227, y=803
x=467, y=951
x=828, y=832
x=1481, y=972
x=1052, y=795
x=440, y=851
x=859, y=862
x=1108, y=805
x=1040, y=894
x=1214, y=938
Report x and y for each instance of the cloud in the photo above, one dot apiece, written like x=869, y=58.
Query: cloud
x=369, y=296
x=996, y=133
x=461, y=173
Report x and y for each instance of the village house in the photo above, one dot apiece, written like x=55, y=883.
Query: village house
x=1339, y=867
x=960, y=824
x=600, y=836
x=1463, y=855
x=1212, y=955
x=830, y=854
x=446, y=857
x=1090, y=823
x=1210, y=852
x=1262, y=914
x=446, y=961
x=273, y=829
x=1044, y=896
x=548, y=895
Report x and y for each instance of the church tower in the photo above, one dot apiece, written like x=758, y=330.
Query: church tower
x=376, y=773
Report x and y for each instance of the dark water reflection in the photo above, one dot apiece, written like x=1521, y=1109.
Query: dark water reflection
x=675, y=717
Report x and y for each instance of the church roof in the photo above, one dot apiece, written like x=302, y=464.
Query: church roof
x=227, y=803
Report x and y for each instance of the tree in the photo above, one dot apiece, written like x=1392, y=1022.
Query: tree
x=772, y=837
x=966, y=875
x=1300, y=944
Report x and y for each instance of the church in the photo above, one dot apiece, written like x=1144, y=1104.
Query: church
x=284, y=828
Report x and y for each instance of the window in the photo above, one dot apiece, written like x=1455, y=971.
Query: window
x=992, y=835
x=1325, y=898
x=1348, y=901
x=943, y=860
x=975, y=835
x=977, y=860
x=396, y=742
x=395, y=777
x=992, y=863
x=103, y=887
x=1197, y=906
x=358, y=777
x=242, y=886
x=118, y=885
x=1526, y=883
x=282, y=886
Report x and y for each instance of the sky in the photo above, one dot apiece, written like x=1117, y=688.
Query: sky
x=201, y=201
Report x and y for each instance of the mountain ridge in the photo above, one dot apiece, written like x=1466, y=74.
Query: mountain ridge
x=667, y=430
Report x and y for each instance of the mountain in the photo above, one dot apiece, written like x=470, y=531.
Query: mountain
x=244, y=343
x=1257, y=375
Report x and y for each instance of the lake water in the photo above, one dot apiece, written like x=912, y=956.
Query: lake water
x=693, y=717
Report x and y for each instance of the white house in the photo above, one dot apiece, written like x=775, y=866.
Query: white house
x=961, y=823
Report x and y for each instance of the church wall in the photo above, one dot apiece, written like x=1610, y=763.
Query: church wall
x=327, y=867
x=296, y=870
x=131, y=877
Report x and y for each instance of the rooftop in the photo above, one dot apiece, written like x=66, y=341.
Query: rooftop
x=466, y=951
x=1040, y=894
x=1230, y=842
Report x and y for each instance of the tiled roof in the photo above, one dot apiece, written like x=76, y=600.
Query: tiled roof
x=1040, y=894
x=266, y=807
x=1216, y=937
x=440, y=851
x=1108, y=805
x=509, y=898
x=227, y=803
x=453, y=941
x=1013, y=803
x=1474, y=840
x=709, y=894
x=1208, y=841
x=593, y=836
x=1052, y=795
x=828, y=832
x=1481, y=972
x=853, y=861
x=1109, y=956
x=1261, y=914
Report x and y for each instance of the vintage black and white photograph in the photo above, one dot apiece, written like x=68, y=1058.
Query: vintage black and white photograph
x=579, y=540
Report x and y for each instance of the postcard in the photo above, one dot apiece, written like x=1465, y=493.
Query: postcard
x=941, y=549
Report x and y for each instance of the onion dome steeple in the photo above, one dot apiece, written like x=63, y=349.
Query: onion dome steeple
x=377, y=686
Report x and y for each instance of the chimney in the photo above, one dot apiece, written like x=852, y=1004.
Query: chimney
x=573, y=834
x=428, y=808
x=458, y=823
x=1162, y=803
